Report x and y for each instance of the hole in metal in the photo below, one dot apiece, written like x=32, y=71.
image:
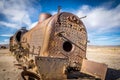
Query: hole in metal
x=18, y=36
x=67, y=46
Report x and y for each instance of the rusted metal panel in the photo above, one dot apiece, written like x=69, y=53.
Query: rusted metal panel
x=11, y=44
x=73, y=32
x=44, y=16
x=95, y=69
x=52, y=68
x=58, y=41
x=33, y=40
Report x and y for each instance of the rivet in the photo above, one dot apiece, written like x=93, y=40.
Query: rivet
x=77, y=21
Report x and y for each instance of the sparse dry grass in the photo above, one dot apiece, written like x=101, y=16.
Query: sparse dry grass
x=107, y=55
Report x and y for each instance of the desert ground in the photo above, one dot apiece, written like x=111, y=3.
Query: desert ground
x=108, y=55
x=8, y=70
x=102, y=54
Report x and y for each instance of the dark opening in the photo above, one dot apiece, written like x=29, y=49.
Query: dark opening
x=67, y=46
x=18, y=36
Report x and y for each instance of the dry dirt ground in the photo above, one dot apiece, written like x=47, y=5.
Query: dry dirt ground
x=107, y=55
x=8, y=70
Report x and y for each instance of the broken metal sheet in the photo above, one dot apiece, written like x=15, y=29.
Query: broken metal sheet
x=95, y=69
x=52, y=68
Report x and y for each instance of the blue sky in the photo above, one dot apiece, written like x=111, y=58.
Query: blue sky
x=102, y=21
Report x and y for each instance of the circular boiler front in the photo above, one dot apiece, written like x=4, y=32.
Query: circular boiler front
x=69, y=38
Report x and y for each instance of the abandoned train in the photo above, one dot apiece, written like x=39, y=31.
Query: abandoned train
x=55, y=49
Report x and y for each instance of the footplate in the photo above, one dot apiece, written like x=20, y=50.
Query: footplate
x=52, y=68
x=95, y=69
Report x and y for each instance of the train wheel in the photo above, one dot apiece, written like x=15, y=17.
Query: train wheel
x=27, y=75
x=20, y=58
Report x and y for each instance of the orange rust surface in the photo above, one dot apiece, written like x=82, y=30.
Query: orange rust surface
x=95, y=69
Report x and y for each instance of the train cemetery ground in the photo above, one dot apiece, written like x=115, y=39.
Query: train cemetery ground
x=107, y=55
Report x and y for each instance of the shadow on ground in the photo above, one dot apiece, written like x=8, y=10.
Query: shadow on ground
x=113, y=74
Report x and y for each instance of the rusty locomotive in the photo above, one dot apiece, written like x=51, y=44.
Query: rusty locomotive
x=55, y=49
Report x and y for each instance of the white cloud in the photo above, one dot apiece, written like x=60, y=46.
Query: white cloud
x=5, y=41
x=17, y=14
x=1, y=4
x=53, y=12
x=100, y=17
x=6, y=35
x=99, y=21
x=18, y=11
x=104, y=40
x=32, y=25
x=11, y=25
x=117, y=39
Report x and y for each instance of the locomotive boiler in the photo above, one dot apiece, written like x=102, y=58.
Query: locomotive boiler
x=55, y=49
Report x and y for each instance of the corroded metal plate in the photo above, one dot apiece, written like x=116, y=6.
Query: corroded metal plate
x=95, y=69
x=52, y=68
